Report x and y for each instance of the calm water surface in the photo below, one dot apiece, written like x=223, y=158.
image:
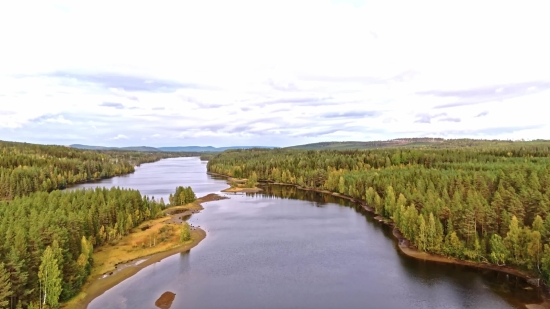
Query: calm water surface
x=285, y=248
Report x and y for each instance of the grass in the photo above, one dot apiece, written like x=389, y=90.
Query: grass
x=137, y=244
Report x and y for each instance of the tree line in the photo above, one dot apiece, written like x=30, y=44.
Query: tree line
x=47, y=236
x=489, y=203
x=27, y=168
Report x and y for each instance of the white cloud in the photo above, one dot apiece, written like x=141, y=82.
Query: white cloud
x=59, y=119
x=268, y=73
x=120, y=136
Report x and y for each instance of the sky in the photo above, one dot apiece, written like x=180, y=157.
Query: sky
x=272, y=73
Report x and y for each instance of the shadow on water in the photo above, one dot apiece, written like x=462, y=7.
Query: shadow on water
x=516, y=290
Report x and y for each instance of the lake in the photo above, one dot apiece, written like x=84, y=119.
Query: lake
x=287, y=248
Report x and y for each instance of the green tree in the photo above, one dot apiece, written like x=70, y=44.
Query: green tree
x=252, y=181
x=5, y=286
x=422, y=237
x=185, y=233
x=433, y=236
x=453, y=245
x=512, y=241
x=369, y=196
x=534, y=249
x=499, y=252
x=389, y=202
x=50, y=278
x=538, y=225
x=546, y=263
x=17, y=276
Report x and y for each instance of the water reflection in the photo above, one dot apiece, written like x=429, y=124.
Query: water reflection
x=289, y=248
x=515, y=289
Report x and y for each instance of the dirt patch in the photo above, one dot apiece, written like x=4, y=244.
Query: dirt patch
x=165, y=300
x=212, y=197
x=544, y=305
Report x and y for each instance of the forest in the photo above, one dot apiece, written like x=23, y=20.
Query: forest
x=487, y=202
x=27, y=168
x=47, y=235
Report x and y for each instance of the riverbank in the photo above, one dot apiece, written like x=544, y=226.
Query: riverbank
x=114, y=264
x=404, y=244
x=242, y=190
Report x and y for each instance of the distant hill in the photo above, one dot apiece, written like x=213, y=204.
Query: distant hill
x=80, y=146
x=420, y=142
x=166, y=149
x=371, y=144
x=207, y=148
x=141, y=148
x=132, y=148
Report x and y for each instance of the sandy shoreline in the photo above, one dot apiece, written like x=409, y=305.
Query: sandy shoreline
x=99, y=284
x=242, y=190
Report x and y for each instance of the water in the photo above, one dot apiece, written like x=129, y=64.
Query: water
x=285, y=248
x=161, y=178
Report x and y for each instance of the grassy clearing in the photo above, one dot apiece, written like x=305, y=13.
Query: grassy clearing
x=153, y=240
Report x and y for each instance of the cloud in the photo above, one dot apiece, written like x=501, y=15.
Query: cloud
x=485, y=94
x=343, y=75
x=123, y=81
x=51, y=119
x=123, y=94
x=449, y=119
x=491, y=130
x=484, y=113
x=351, y=114
x=281, y=86
x=120, y=136
x=200, y=103
x=303, y=101
x=110, y=104
x=59, y=119
x=427, y=118
x=316, y=133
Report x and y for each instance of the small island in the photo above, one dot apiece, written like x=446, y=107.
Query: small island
x=244, y=185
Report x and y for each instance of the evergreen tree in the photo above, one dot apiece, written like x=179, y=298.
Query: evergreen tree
x=538, y=225
x=17, y=276
x=5, y=286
